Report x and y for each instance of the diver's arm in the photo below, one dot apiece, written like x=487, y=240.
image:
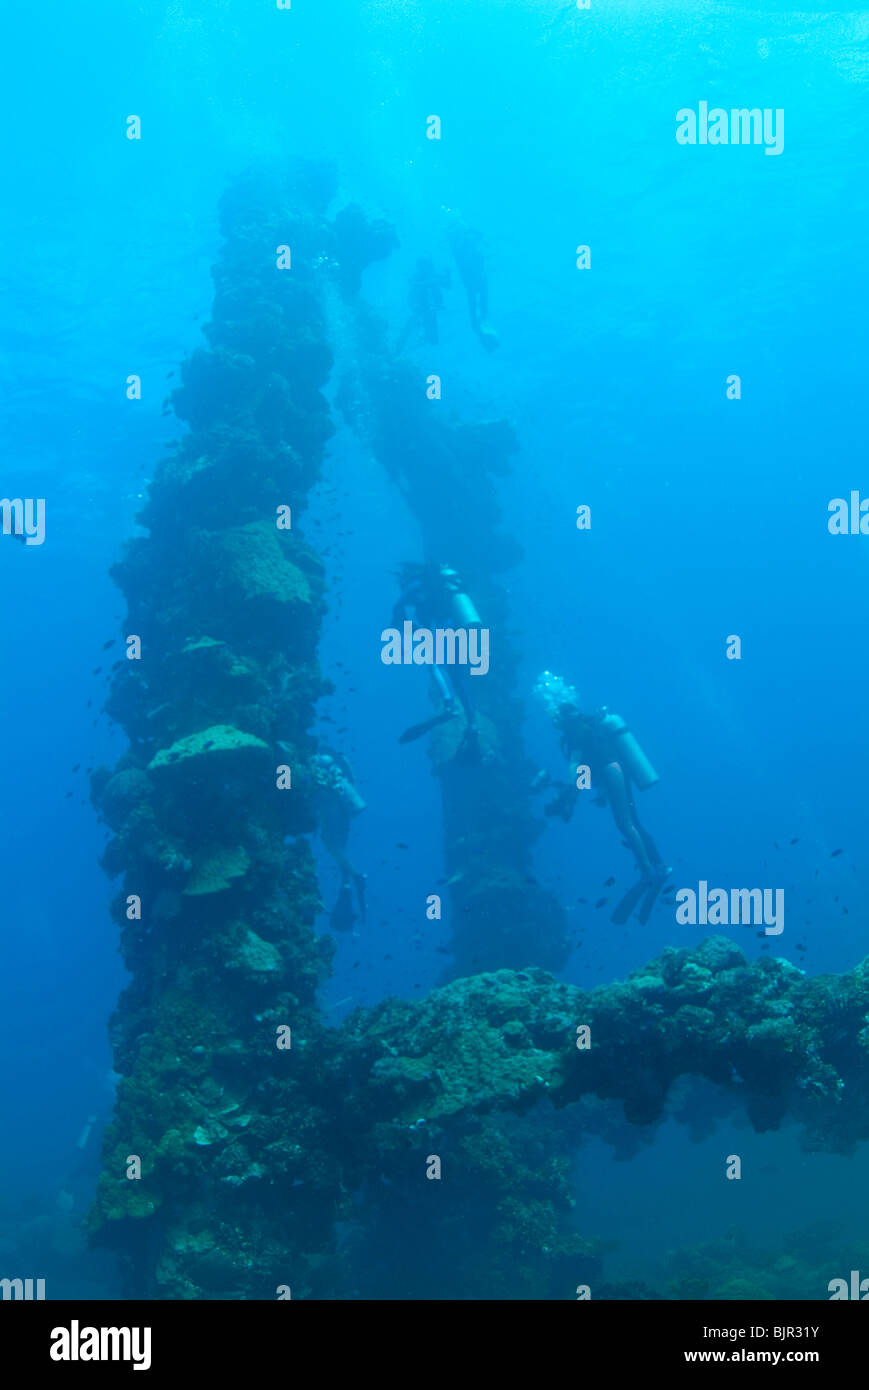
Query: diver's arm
x=565, y=801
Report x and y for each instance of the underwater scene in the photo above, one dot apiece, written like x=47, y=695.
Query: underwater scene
x=435, y=553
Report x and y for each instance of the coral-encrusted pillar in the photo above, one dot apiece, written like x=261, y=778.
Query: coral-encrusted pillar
x=218, y=900
x=448, y=472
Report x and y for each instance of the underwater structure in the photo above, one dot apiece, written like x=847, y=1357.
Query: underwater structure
x=218, y=898
x=248, y=1138
x=447, y=471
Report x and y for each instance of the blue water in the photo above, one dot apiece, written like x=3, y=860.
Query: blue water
x=709, y=515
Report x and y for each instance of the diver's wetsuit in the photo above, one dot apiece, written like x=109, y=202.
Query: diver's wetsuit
x=427, y=595
x=426, y=301
x=338, y=802
x=469, y=255
x=586, y=741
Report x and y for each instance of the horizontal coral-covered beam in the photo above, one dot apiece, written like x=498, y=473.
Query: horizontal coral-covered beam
x=787, y=1045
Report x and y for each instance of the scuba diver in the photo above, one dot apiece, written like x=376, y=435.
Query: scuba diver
x=338, y=801
x=437, y=598
x=603, y=743
x=468, y=249
x=426, y=301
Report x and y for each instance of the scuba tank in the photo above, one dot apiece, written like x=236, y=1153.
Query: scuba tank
x=628, y=751
x=461, y=604
x=351, y=796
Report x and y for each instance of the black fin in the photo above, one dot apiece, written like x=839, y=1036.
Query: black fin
x=624, y=909
x=341, y=918
x=651, y=897
x=417, y=730
x=360, y=894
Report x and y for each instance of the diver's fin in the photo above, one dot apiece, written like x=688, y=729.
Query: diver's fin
x=341, y=918
x=648, y=903
x=624, y=909
x=651, y=897
x=359, y=880
x=417, y=730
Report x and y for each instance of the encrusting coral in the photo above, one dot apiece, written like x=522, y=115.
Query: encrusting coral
x=257, y=1128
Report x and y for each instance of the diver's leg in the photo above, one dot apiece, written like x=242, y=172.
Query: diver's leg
x=470, y=744
x=459, y=683
x=651, y=848
x=444, y=688
x=334, y=837
x=473, y=313
x=619, y=798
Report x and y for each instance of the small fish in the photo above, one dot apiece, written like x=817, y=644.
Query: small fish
x=96, y=670
x=399, y=844
x=169, y=374
x=110, y=643
x=609, y=883
x=76, y=767
x=67, y=795
x=582, y=900
x=835, y=853
x=600, y=902
x=796, y=841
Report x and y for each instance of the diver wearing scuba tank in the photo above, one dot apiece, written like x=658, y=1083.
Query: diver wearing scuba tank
x=438, y=599
x=468, y=248
x=603, y=742
x=338, y=801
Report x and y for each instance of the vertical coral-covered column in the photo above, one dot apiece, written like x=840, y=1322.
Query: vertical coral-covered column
x=211, y=1181
x=448, y=472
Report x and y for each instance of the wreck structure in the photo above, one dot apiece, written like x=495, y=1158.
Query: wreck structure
x=250, y=1141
